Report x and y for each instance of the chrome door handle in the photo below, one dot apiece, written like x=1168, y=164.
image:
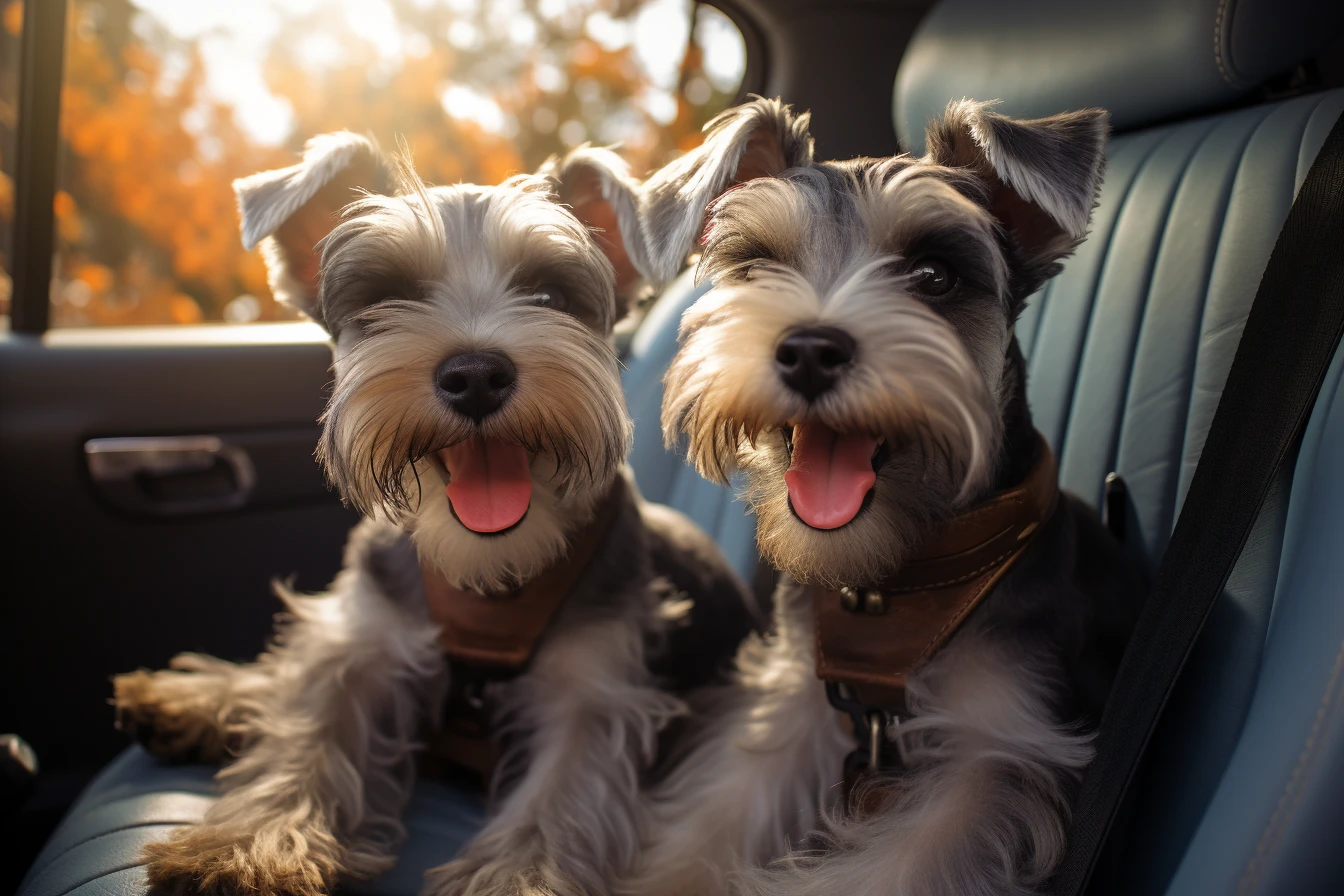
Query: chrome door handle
x=124, y=468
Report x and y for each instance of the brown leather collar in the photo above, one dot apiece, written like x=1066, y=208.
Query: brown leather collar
x=869, y=639
x=500, y=632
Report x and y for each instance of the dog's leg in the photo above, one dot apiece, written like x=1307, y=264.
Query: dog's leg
x=768, y=760
x=320, y=790
x=197, y=710
x=982, y=810
x=588, y=715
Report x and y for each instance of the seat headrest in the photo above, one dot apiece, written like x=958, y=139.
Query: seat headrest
x=1144, y=60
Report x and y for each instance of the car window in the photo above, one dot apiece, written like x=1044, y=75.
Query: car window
x=165, y=102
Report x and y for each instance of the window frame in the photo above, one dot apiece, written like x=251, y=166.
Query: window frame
x=37, y=149
x=36, y=144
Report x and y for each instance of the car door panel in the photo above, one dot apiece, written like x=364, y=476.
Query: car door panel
x=99, y=577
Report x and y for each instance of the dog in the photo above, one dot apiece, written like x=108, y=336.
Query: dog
x=477, y=422
x=855, y=361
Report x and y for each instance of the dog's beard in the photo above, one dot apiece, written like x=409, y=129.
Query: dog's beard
x=385, y=425
x=913, y=388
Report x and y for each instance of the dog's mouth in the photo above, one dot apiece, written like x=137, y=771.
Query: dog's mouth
x=831, y=475
x=489, y=483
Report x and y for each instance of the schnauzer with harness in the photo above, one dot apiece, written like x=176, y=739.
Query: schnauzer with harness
x=948, y=623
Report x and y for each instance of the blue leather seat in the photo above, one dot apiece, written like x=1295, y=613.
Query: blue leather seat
x=1128, y=350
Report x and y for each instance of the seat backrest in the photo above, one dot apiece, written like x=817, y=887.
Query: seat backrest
x=1128, y=350
x=663, y=475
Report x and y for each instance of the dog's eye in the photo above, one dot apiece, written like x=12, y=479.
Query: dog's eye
x=932, y=277
x=551, y=296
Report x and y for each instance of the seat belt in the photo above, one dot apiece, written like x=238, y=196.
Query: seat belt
x=1290, y=337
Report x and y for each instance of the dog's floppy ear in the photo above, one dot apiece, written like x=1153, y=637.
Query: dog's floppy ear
x=758, y=139
x=596, y=185
x=290, y=210
x=1043, y=175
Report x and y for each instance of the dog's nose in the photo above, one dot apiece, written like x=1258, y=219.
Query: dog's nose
x=475, y=384
x=811, y=361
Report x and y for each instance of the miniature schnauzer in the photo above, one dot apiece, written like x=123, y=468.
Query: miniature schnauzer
x=856, y=361
x=478, y=423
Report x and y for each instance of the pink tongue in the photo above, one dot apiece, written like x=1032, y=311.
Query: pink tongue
x=490, y=486
x=830, y=474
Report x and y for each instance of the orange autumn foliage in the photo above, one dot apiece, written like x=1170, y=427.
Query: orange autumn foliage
x=146, y=222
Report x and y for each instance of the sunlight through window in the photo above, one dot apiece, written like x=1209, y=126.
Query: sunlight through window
x=166, y=102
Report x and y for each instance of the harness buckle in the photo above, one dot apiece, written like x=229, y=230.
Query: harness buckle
x=873, y=751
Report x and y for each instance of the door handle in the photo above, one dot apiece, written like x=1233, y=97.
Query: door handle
x=171, y=475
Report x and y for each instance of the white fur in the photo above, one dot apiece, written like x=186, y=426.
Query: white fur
x=766, y=765
x=982, y=808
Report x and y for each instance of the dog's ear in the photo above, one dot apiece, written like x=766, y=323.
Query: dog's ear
x=290, y=210
x=762, y=138
x=597, y=187
x=1043, y=175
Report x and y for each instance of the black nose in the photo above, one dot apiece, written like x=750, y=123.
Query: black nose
x=811, y=361
x=477, y=383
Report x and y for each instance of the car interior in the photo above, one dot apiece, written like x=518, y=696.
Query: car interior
x=1218, y=109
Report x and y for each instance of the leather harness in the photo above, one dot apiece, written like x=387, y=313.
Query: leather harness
x=490, y=638
x=869, y=640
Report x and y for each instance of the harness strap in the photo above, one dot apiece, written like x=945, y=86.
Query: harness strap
x=500, y=632
x=493, y=637
x=869, y=640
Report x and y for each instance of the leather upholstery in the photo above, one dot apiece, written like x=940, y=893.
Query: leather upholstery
x=662, y=475
x=1146, y=61
x=1127, y=353
x=136, y=800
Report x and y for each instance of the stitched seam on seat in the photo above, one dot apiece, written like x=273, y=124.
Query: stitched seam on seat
x=36, y=870
x=1218, y=23
x=1193, y=368
x=1139, y=330
x=1095, y=295
x=1298, y=174
x=103, y=874
x=1294, y=789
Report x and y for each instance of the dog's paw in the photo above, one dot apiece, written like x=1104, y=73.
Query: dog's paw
x=469, y=877
x=171, y=716
x=210, y=861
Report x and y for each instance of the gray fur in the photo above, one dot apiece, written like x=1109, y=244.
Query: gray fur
x=675, y=197
x=1001, y=719
x=268, y=199
x=618, y=188
x=1054, y=164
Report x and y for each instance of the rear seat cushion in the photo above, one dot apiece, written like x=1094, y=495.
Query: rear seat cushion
x=136, y=800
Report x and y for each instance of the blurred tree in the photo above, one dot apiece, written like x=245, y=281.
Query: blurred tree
x=147, y=230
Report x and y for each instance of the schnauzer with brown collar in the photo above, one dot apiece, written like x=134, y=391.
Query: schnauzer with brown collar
x=948, y=624
x=506, y=574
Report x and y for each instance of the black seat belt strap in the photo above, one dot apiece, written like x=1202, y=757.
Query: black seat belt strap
x=1290, y=337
